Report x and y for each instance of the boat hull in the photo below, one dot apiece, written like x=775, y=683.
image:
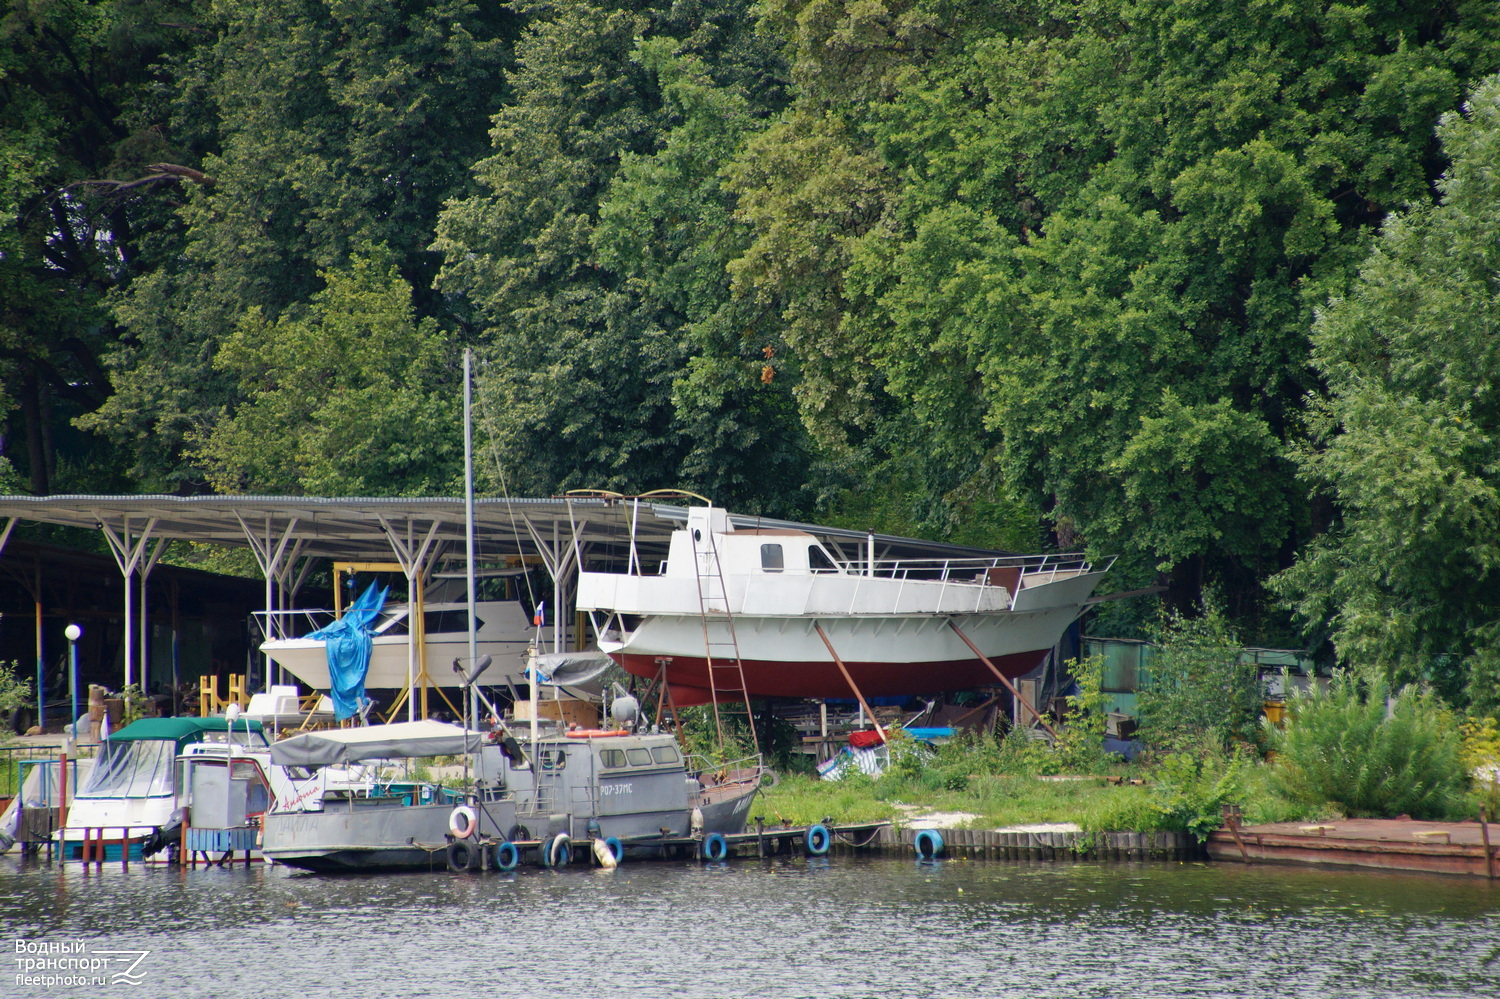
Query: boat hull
x=368, y=836
x=505, y=633
x=885, y=657
x=390, y=667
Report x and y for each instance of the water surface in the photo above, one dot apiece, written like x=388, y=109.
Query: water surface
x=825, y=928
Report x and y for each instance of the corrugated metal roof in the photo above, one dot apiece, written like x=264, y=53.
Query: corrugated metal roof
x=355, y=528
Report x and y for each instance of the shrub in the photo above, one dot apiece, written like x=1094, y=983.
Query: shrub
x=1197, y=688
x=1481, y=757
x=1192, y=789
x=1125, y=809
x=14, y=691
x=1081, y=746
x=1343, y=746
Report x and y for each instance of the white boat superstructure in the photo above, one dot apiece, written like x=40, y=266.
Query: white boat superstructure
x=504, y=632
x=777, y=600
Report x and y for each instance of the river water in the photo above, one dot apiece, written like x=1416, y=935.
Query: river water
x=825, y=928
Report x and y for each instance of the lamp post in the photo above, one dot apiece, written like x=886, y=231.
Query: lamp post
x=74, y=633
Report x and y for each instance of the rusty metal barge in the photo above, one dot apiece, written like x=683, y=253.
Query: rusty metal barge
x=1464, y=848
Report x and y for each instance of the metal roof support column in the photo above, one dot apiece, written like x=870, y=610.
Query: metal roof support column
x=127, y=552
x=413, y=560
x=288, y=581
x=557, y=612
x=558, y=562
x=150, y=563
x=268, y=552
x=5, y=534
x=41, y=698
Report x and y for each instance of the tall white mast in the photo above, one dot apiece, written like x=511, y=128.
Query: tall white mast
x=470, y=708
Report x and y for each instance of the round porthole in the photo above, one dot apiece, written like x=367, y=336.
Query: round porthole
x=697, y=535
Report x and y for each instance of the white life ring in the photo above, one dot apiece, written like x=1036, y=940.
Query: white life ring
x=461, y=822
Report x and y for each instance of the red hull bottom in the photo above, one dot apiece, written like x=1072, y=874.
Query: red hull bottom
x=687, y=676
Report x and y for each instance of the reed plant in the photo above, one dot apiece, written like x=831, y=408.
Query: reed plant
x=1370, y=752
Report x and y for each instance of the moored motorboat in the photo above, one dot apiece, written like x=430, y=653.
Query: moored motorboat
x=633, y=787
x=142, y=781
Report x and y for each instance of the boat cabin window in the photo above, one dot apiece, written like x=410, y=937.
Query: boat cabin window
x=553, y=759
x=818, y=560
x=446, y=620
x=138, y=768
x=260, y=795
x=665, y=754
x=639, y=757
x=612, y=758
x=771, y=559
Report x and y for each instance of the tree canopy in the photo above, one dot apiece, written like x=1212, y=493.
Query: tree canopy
x=1406, y=436
x=1199, y=284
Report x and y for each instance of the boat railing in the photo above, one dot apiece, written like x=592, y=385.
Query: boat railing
x=282, y=624
x=1033, y=568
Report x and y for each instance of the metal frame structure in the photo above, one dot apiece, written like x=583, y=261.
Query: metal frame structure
x=288, y=534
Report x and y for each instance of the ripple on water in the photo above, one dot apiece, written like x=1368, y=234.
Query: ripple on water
x=842, y=927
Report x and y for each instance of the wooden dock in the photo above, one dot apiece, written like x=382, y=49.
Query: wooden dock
x=1466, y=848
x=988, y=844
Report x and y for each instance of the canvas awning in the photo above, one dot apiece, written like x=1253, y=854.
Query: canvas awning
x=375, y=742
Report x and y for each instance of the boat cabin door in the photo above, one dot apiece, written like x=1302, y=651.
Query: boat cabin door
x=704, y=524
x=226, y=793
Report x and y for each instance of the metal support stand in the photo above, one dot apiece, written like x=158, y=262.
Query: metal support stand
x=1003, y=679
x=850, y=681
x=128, y=551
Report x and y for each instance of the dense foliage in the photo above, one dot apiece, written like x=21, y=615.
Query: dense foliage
x=1405, y=438
x=1029, y=273
x=1198, y=692
x=1371, y=752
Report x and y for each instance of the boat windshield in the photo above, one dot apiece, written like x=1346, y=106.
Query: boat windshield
x=140, y=768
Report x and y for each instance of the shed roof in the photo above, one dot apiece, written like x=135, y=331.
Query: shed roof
x=356, y=528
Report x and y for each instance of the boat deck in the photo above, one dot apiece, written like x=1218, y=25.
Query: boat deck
x=1467, y=848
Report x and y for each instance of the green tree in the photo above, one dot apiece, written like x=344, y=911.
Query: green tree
x=591, y=256
x=316, y=128
x=1405, y=437
x=1080, y=249
x=351, y=396
x=1370, y=752
x=665, y=228
x=77, y=165
x=1198, y=692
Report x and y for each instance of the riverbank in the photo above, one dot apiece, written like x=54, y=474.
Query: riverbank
x=1131, y=799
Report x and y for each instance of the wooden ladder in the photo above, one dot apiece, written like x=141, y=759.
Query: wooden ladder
x=726, y=667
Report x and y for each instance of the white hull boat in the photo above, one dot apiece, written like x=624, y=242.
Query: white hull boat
x=780, y=604
x=504, y=632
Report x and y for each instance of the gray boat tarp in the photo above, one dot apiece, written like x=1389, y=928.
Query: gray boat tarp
x=566, y=669
x=375, y=742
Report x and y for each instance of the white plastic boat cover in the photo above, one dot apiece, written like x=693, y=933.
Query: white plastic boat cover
x=375, y=742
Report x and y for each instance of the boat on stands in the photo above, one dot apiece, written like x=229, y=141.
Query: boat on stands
x=804, y=624
x=502, y=627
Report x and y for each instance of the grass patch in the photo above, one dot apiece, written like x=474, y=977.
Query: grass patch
x=1002, y=787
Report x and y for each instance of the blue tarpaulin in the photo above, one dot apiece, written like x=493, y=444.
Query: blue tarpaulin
x=348, y=644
